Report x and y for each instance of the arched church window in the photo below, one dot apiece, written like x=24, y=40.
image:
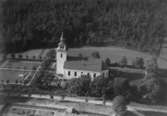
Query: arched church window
x=75, y=73
x=62, y=47
x=61, y=55
x=94, y=75
x=69, y=73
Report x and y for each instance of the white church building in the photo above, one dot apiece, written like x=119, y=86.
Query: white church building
x=73, y=67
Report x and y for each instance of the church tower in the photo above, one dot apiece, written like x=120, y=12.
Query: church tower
x=61, y=56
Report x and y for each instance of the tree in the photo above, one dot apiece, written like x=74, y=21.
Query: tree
x=123, y=62
x=151, y=89
x=108, y=62
x=138, y=62
x=152, y=65
x=80, y=55
x=27, y=56
x=7, y=81
x=119, y=105
x=51, y=54
x=101, y=86
x=104, y=95
x=34, y=57
x=20, y=56
x=34, y=68
x=96, y=54
x=121, y=86
x=16, y=81
x=63, y=84
x=132, y=29
x=79, y=86
x=40, y=57
x=13, y=56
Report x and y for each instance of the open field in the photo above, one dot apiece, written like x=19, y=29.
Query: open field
x=114, y=53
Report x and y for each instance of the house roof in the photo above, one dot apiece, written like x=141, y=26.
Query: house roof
x=89, y=65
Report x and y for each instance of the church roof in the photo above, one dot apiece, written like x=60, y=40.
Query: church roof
x=76, y=58
x=95, y=65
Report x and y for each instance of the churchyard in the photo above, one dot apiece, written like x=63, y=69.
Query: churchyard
x=15, y=71
x=114, y=53
x=29, y=60
x=27, y=65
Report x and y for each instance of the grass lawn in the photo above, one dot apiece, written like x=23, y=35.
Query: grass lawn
x=114, y=53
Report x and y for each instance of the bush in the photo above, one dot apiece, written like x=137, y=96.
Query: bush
x=79, y=86
x=34, y=68
x=13, y=56
x=138, y=62
x=150, y=89
x=40, y=57
x=27, y=56
x=152, y=65
x=51, y=54
x=34, y=57
x=123, y=62
x=121, y=86
x=63, y=84
x=119, y=105
x=20, y=56
x=96, y=54
x=101, y=86
x=108, y=62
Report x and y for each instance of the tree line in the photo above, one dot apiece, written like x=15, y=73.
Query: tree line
x=137, y=24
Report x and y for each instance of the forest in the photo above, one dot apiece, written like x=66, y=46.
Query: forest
x=134, y=24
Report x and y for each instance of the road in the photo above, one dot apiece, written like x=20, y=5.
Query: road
x=140, y=107
x=77, y=100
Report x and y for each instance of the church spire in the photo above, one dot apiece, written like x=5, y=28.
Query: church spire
x=61, y=37
x=61, y=45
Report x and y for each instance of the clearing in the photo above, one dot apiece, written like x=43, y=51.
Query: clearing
x=114, y=53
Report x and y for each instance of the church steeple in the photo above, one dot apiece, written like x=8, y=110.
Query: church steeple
x=61, y=37
x=61, y=55
x=61, y=45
